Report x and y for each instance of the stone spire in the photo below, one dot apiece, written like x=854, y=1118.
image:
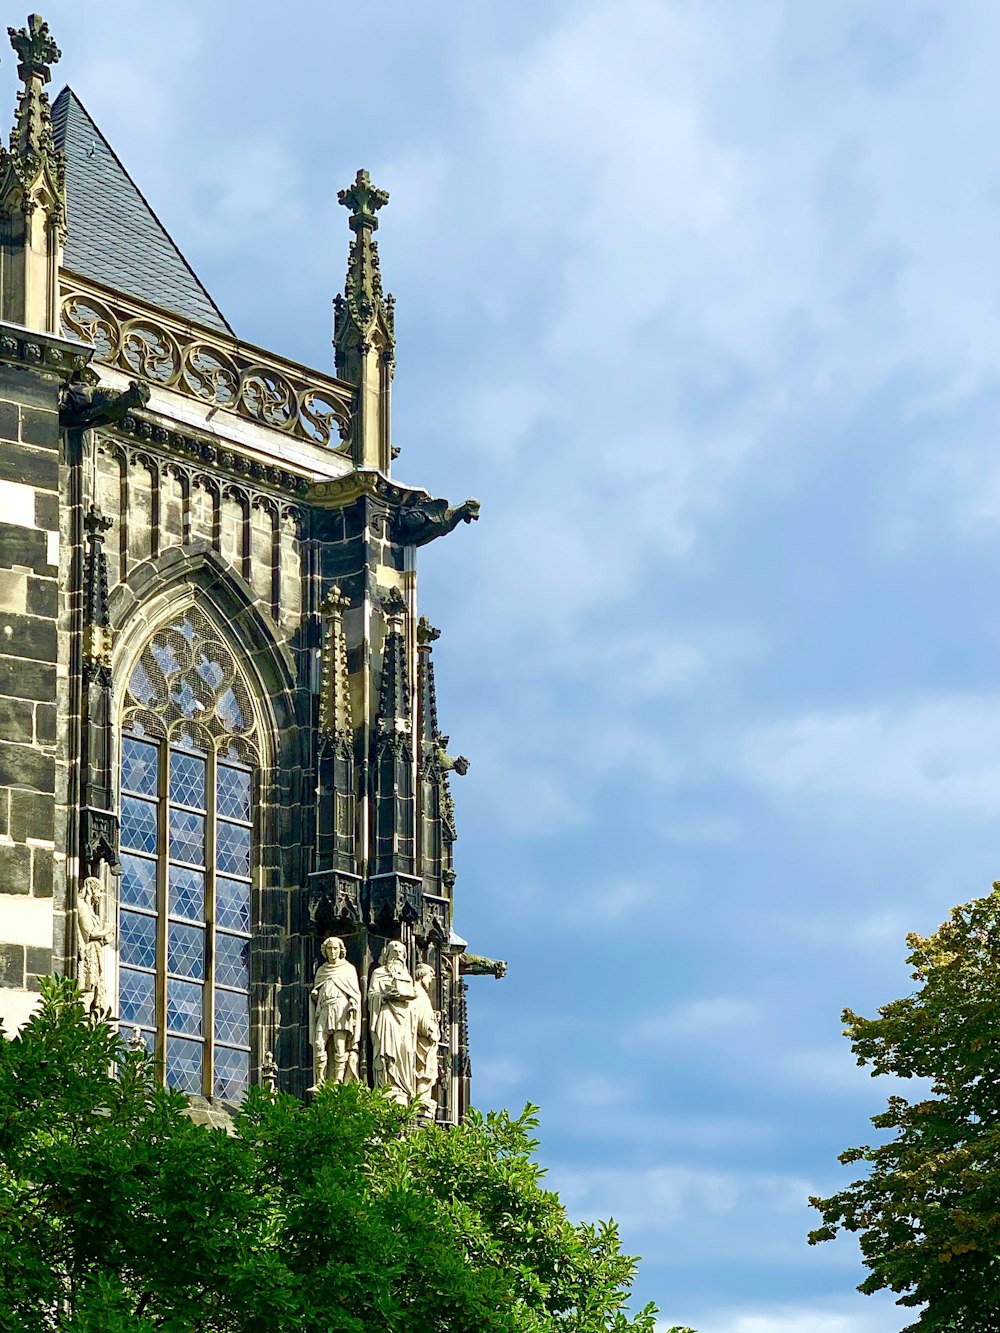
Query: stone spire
x=32, y=191
x=363, y=333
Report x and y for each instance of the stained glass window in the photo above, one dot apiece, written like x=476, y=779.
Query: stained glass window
x=187, y=854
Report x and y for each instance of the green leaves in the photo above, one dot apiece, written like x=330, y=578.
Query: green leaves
x=119, y=1214
x=928, y=1212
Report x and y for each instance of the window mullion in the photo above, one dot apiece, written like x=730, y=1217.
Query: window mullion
x=162, y=863
x=211, y=793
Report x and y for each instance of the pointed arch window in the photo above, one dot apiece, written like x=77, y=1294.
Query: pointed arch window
x=188, y=762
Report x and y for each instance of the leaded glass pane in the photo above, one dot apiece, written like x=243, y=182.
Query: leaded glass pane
x=184, y=1060
x=136, y=1000
x=186, y=950
x=138, y=886
x=232, y=961
x=165, y=656
x=232, y=904
x=189, y=682
x=185, y=1004
x=232, y=854
x=138, y=824
x=187, y=893
x=232, y=1073
x=232, y=1017
x=137, y=939
x=233, y=786
x=141, y=686
x=187, y=837
x=230, y=711
x=140, y=762
x=187, y=779
x=211, y=666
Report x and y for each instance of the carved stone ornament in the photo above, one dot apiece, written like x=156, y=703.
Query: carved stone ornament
x=269, y=1073
x=334, y=899
x=392, y=995
x=419, y=524
x=475, y=965
x=92, y=934
x=84, y=406
x=335, y=1017
x=428, y=1038
x=207, y=367
x=393, y=898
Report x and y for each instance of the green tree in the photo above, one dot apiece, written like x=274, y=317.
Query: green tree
x=927, y=1212
x=118, y=1214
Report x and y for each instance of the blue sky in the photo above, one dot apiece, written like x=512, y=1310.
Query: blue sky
x=702, y=301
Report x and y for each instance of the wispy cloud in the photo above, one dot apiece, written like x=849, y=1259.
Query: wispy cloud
x=939, y=752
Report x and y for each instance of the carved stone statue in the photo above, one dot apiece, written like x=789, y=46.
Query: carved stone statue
x=92, y=934
x=428, y=1036
x=335, y=1016
x=269, y=1073
x=392, y=993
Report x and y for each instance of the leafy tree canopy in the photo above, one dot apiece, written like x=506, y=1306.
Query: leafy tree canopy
x=118, y=1214
x=928, y=1211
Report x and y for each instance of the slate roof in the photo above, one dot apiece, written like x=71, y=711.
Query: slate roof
x=114, y=236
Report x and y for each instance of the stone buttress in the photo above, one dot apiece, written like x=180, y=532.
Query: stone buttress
x=205, y=560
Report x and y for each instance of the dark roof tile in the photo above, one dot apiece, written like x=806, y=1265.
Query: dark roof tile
x=114, y=236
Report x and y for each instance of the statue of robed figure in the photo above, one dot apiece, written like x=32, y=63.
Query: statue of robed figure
x=428, y=1036
x=335, y=1017
x=392, y=1009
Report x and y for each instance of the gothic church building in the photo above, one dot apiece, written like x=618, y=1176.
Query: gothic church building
x=219, y=735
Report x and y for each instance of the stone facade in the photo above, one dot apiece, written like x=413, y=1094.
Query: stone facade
x=216, y=696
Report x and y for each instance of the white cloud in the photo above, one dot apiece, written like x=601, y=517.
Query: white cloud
x=499, y=1076
x=825, y=1318
x=941, y=752
x=692, y=1020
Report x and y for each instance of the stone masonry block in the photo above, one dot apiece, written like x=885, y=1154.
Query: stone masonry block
x=23, y=546
x=42, y=597
x=45, y=724
x=38, y=962
x=16, y=720
x=42, y=861
x=9, y=421
x=39, y=427
x=13, y=591
x=47, y=511
x=21, y=766
x=21, y=679
x=28, y=636
x=12, y=965
x=32, y=815
x=18, y=384
x=15, y=869
x=35, y=467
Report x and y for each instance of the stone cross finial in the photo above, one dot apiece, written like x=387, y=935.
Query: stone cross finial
x=36, y=50
x=364, y=200
x=426, y=632
x=31, y=136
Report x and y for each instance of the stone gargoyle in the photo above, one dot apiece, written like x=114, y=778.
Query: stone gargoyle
x=84, y=406
x=419, y=524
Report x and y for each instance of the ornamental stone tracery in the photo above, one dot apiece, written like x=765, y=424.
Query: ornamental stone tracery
x=186, y=684
x=205, y=368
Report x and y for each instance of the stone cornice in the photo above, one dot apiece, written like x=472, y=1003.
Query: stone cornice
x=340, y=491
x=202, y=449
x=44, y=352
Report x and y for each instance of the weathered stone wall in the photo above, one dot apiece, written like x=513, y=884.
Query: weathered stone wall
x=32, y=782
